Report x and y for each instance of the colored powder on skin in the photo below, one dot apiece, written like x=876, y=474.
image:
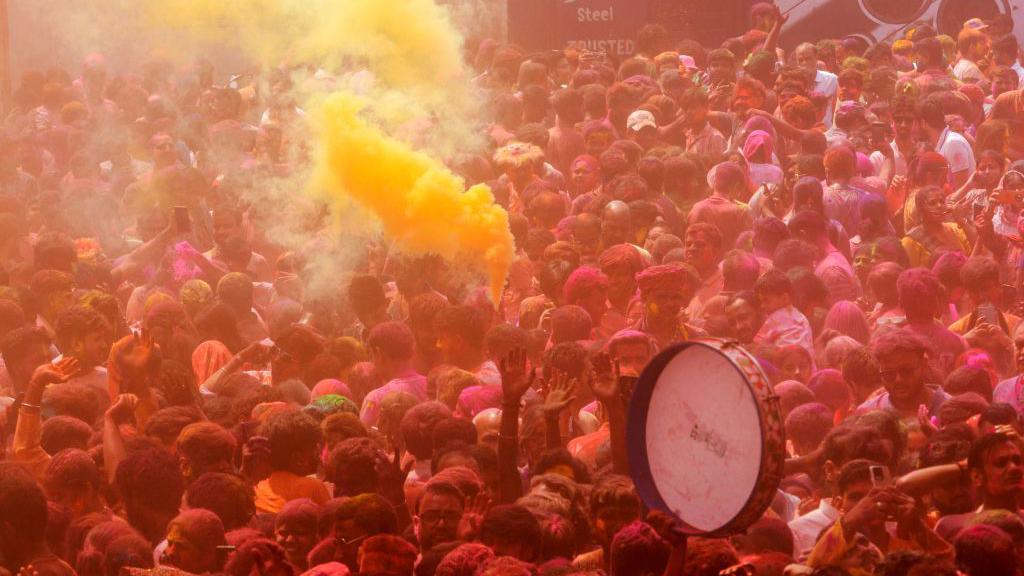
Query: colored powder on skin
x=420, y=203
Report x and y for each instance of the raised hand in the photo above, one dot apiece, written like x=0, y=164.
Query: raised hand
x=605, y=381
x=516, y=378
x=122, y=409
x=469, y=525
x=560, y=393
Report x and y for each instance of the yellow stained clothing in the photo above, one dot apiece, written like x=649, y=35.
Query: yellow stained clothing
x=919, y=255
x=27, y=442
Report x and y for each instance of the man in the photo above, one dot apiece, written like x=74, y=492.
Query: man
x=205, y=447
x=1006, y=52
x=843, y=444
x=192, y=541
x=997, y=475
x=920, y=294
x=438, y=515
x=721, y=209
x=1011, y=390
x=664, y=290
x=932, y=75
x=744, y=316
x=294, y=441
x=227, y=224
x=823, y=82
x=616, y=224
x=235, y=290
x=23, y=523
x=460, y=338
x=565, y=141
x=620, y=264
x=702, y=138
x=904, y=142
x=865, y=509
x=952, y=145
x=642, y=128
x=841, y=198
x=614, y=504
x=83, y=334
x=975, y=48
x=54, y=291
x=702, y=249
x=369, y=304
x=392, y=347
x=24, y=350
x=1009, y=107
x=587, y=287
x=832, y=267
x=980, y=277
x=72, y=480
x=903, y=359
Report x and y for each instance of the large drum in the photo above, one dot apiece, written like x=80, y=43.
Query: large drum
x=706, y=439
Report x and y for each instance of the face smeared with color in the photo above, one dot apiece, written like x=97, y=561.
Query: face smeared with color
x=745, y=320
x=1002, y=474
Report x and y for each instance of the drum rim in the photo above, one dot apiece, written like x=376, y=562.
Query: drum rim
x=636, y=429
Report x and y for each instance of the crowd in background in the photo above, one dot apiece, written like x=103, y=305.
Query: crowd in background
x=177, y=400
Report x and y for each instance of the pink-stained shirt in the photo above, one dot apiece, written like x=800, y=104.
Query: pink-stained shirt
x=412, y=383
x=476, y=399
x=786, y=326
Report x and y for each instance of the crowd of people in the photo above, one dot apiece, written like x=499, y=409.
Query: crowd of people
x=176, y=400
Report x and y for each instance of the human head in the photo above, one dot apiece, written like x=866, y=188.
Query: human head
x=703, y=246
x=980, y=277
x=438, y=514
x=82, y=333
x=227, y=495
x=903, y=362
x=294, y=441
x=205, y=447
x=460, y=336
x=919, y=292
x=994, y=464
x=24, y=350
x=72, y=479
x=53, y=291
x=744, y=314
x=511, y=530
x=23, y=515
x=150, y=484
x=192, y=540
x=984, y=549
x=665, y=290
x=296, y=529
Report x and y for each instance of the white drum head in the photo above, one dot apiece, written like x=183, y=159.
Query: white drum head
x=703, y=438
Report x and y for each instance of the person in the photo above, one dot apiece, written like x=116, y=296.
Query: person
x=293, y=439
x=614, y=505
x=83, y=334
x=392, y=348
x=783, y=324
x=664, y=290
x=994, y=469
x=702, y=138
x=974, y=46
x=822, y=81
x=193, y=538
x=919, y=293
x=953, y=146
x=460, y=338
x=23, y=514
x=832, y=266
x=903, y=363
x=703, y=247
x=935, y=230
x=205, y=447
x=439, y=513
x=296, y=530
x=721, y=209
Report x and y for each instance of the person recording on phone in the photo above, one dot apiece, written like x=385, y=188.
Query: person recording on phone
x=988, y=326
x=877, y=518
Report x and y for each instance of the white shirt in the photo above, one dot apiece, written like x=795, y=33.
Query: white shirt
x=827, y=83
x=900, y=161
x=967, y=72
x=956, y=150
x=1020, y=72
x=807, y=527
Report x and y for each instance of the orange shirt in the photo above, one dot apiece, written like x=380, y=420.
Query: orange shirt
x=283, y=487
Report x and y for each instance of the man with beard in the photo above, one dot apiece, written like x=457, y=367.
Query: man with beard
x=744, y=315
x=903, y=358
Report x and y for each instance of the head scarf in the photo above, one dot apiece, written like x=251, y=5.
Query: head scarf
x=209, y=357
x=756, y=122
x=621, y=255
x=759, y=147
x=665, y=277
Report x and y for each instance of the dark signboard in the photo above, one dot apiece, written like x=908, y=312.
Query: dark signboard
x=600, y=25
